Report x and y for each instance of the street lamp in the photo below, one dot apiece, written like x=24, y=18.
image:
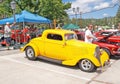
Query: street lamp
x=81, y=19
x=1, y=1
x=13, y=7
x=77, y=11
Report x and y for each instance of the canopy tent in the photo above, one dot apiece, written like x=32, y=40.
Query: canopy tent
x=70, y=26
x=26, y=16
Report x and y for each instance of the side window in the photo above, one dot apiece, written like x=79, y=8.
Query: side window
x=54, y=36
x=50, y=36
x=80, y=37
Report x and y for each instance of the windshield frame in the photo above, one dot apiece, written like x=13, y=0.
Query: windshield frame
x=70, y=36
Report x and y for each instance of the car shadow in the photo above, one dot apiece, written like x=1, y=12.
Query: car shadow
x=57, y=64
x=76, y=67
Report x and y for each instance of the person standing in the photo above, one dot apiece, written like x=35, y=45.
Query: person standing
x=88, y=34
x=7, y=33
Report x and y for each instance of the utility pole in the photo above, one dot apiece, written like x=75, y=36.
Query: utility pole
x=77, y=11
x=81, y=19
x=1, y=1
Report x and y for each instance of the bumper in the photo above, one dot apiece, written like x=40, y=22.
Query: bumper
x=106, y=65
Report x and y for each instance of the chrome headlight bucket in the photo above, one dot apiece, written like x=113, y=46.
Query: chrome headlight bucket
x=97, y=52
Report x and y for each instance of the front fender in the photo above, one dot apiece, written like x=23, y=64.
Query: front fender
x=93, y=59
x=76, y=60
x=35, y=48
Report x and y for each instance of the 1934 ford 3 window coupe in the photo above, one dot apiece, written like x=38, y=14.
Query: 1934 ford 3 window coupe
x=62, y=46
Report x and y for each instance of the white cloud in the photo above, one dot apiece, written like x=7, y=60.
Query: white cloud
x=82, y=4
x=90, y=5
x=105, y=15
x=115, y=1
x=102, y=5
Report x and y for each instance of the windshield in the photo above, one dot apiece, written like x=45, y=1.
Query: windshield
x=70, y=36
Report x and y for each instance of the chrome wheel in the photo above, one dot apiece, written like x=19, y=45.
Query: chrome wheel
x=87, y=65
x=30, y=54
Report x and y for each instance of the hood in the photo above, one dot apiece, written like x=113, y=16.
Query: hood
x=82, y=43
x=83, y=46
x=106, y=37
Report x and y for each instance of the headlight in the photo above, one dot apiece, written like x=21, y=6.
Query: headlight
x=118, y=44
x=97, y=52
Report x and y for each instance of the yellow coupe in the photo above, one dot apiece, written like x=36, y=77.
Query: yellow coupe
x=62, y=46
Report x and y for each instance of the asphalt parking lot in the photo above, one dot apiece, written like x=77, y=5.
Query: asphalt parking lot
x=15, y=68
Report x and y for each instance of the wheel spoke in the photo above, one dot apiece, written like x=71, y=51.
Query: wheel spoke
x=86, y=65
x=30, y=53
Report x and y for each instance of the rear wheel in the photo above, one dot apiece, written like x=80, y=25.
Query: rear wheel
x=30, y=53
x=87, y=66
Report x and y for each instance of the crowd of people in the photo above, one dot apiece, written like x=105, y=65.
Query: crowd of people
x=7, y=33
x=89, y=37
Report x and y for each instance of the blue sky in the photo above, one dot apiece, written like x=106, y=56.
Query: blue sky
x=93, y=8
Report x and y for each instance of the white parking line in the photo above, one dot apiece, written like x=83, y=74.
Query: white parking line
x=59, y=72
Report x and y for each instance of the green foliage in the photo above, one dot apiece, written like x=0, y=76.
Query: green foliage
x=5, y=10
x=52, y=9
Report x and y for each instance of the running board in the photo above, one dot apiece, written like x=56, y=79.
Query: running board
x=50, y=59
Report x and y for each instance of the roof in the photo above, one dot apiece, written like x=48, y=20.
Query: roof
x=59, y=31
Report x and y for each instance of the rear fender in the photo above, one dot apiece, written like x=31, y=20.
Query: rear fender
x=35, y=48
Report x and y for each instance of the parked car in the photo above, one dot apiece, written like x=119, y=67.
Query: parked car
x=103, y=33
x=110, y=42
x=62, y=46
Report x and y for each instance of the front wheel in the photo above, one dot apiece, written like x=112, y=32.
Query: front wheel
x=30, y=53
x=87, y=66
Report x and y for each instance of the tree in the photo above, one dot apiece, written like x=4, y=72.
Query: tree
x=52, y=9
x=5, y=9
x=30, y=5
